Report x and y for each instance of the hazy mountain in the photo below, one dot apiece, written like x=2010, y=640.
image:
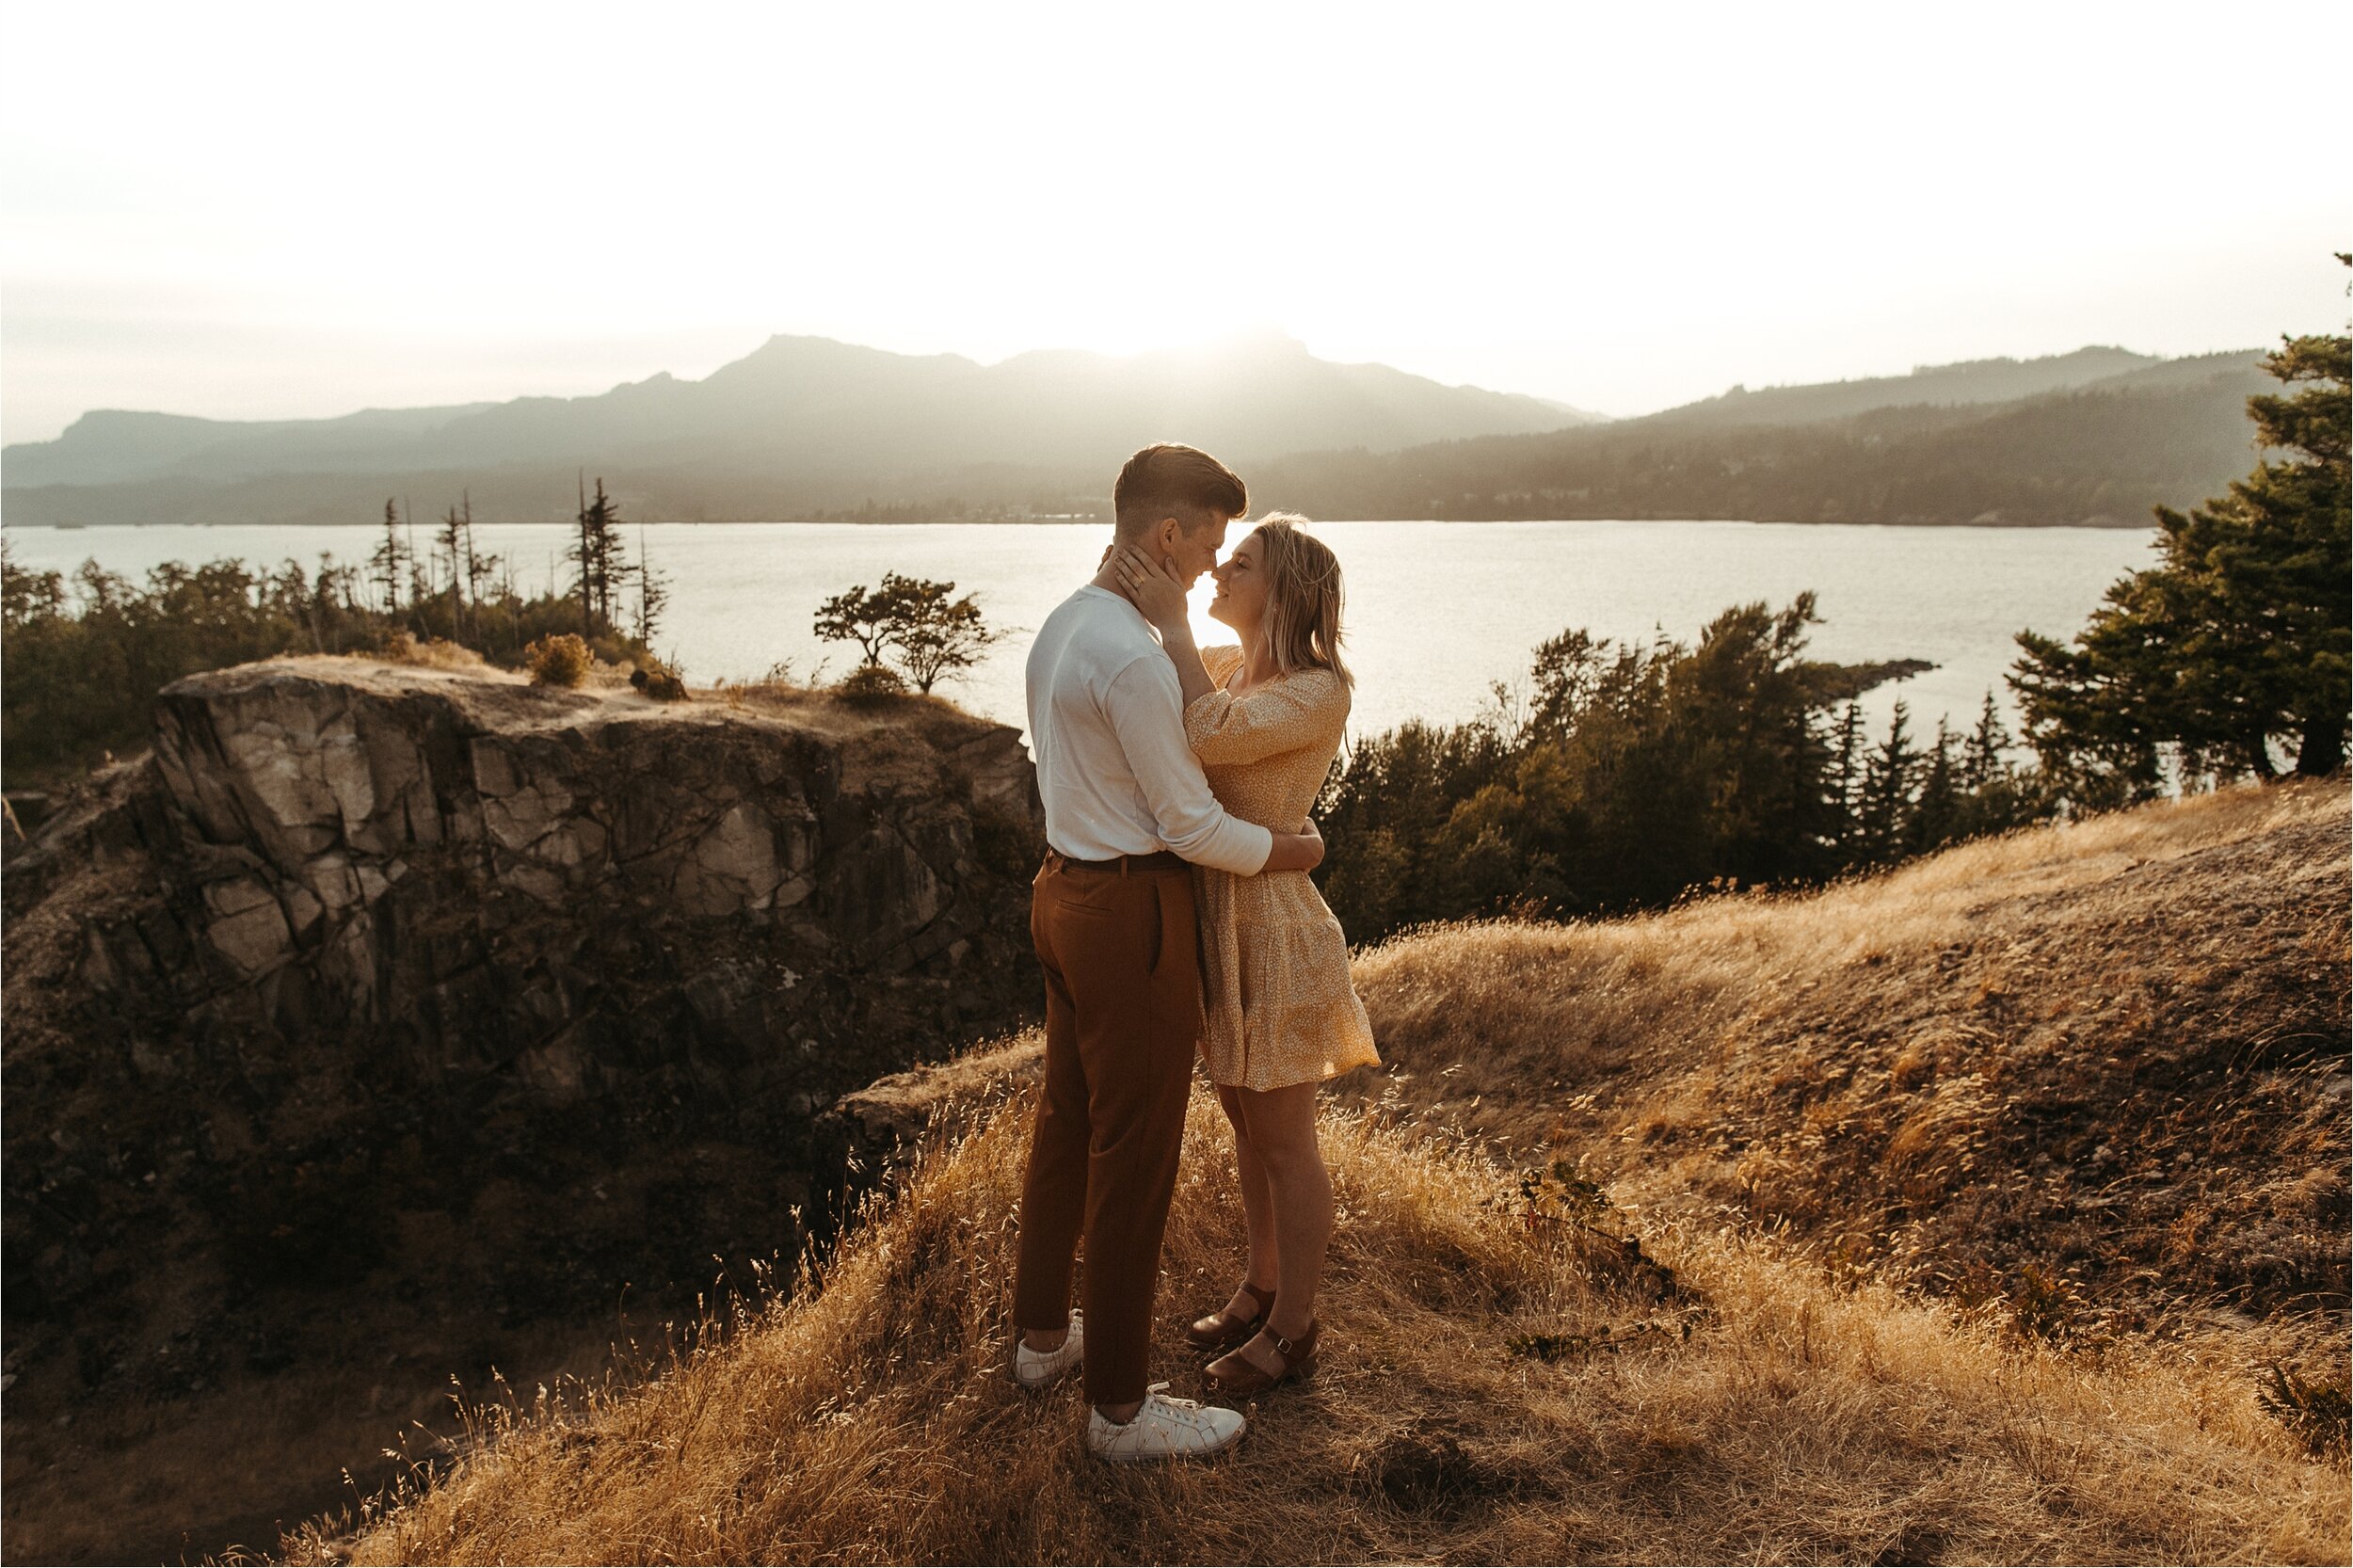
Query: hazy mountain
x=108, y=445
x=800, y=422
x=807, y=425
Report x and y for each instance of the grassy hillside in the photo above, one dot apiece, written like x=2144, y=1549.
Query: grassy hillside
x=2022, y=1052
x=2115, y=1052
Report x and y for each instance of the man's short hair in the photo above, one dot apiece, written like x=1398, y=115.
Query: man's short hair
x=1181, y=481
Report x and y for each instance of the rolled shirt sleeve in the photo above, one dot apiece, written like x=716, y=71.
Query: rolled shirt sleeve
x=1148, y=713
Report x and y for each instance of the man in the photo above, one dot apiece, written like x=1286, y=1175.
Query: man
x=1112, y=915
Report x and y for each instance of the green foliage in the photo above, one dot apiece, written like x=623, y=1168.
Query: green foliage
x=560, y=658
x=869, y=685
x=1641, y=772
x=2240, y=640
x=86, y=652
x=85, y=656
x=916, y=624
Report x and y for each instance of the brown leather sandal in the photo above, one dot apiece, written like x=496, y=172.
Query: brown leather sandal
x=1234, y=1376
x=1224, y=1331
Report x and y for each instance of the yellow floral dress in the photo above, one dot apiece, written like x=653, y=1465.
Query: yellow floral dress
x=1277, y=1004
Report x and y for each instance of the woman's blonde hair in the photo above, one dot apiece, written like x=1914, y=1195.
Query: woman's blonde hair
x=1303, y=596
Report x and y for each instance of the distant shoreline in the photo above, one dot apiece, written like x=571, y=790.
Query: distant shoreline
x=2103, y=524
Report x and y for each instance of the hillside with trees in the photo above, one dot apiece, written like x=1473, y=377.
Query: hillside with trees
x=2102, y=452
x=1633, y=774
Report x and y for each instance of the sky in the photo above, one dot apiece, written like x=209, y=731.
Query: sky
x=266, y=211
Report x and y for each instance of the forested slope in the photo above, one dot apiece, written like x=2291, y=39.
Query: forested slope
x=2104, y=453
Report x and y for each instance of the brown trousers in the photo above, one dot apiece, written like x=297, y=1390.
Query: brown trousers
x=1122, y=957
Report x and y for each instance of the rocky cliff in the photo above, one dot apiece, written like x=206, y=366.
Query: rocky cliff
x=465, y=999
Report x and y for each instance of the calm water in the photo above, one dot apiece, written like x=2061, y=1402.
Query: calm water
x=1437, y=611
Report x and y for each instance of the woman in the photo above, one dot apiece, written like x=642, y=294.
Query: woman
x=1279, y=1014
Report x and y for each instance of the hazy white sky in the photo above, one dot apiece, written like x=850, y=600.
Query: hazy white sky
x=247, y=210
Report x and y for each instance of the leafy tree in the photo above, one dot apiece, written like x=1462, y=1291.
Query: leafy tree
x=916, y=623
x=2239, y=639
x=939, y=635
x=869, y=620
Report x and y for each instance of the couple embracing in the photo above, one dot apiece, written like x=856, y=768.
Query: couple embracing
x=1174, y=916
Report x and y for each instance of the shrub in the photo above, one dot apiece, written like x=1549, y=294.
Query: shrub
x=2317, y=1410
x=439, y=653
x=558, y=660
x=658, y=680
x=870, y=684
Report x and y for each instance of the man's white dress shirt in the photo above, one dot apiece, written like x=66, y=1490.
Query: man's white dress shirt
x=1107, y=726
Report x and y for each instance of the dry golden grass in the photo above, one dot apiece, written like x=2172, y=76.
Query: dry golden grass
x=2116, y=1048
x=1982, y=1186
x=870, y=1420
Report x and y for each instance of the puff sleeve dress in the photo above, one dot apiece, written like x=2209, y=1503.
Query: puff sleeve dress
x=1278, y=1008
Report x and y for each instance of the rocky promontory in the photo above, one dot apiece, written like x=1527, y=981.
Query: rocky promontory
x=380, y=995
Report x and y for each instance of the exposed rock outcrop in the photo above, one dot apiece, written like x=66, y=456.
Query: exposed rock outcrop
x=870, y=1135
x=488, y=996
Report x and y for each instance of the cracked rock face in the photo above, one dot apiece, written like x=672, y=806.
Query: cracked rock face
x=324, y=785
x=359, y=943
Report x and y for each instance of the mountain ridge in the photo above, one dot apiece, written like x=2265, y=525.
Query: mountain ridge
x=795, y=400
x=806, y=427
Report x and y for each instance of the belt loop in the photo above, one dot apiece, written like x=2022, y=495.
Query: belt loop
x=1123, y=866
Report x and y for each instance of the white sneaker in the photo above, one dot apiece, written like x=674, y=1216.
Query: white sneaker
x=1165, y=1429
x=1036, y=1368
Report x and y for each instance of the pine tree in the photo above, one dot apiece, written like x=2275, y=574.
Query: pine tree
x=451, y=541
x=1885, y=809
x=1847, y=777
x=653, y=593
x=480, y=568
x=2240, y=639
x=1981, y=754
x=1939, y=814
x=598, y=560
x=387, y=566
